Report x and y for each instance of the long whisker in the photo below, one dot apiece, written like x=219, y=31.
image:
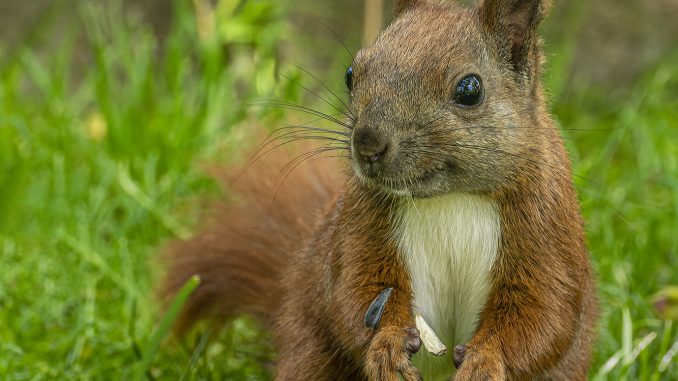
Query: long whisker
x=341, y=41
x=314, y=128
x=317, y=95
x=295, y=131
x=288, y=140
x=294, y=163
x=348, y=109
x=296, y=107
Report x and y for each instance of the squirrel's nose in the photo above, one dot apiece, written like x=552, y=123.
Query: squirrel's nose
x=370, y=146
x=373, y=153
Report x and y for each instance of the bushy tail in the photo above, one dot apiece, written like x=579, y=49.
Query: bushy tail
x=246, y=243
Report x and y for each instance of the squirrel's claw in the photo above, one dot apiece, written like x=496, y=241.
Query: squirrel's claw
x=479, y=364
x=459, y=355
x=389, y=355
x=412, y=340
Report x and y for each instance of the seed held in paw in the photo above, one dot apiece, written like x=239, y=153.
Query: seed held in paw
x=431, y=341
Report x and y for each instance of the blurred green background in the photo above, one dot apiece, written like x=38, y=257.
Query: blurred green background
x=110, y=111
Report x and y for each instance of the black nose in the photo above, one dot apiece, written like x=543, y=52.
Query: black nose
x=370, y=146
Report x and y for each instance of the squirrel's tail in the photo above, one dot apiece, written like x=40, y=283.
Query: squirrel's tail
x=246, y=244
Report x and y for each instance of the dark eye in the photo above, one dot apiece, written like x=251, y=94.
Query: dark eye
x=349, y=78
x=469, y=91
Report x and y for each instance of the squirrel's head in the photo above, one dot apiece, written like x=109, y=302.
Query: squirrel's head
x=448, y=98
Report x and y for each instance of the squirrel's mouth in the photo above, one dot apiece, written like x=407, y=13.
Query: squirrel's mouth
x=404, y=185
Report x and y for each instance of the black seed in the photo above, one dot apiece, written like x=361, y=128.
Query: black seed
x=373, y=314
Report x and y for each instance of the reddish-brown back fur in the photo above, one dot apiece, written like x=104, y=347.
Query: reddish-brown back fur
x=247, y=241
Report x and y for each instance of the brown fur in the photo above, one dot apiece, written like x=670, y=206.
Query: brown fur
x=248, y=240
x=312, y=262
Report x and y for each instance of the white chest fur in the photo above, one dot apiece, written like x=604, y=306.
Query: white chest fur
x=449, y=245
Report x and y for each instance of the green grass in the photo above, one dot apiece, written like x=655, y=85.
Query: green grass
x=100, y=164
x=628, y=181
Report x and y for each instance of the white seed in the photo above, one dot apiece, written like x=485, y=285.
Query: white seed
x=430, y=340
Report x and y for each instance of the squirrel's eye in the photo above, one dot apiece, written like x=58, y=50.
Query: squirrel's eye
x=349, y=78
x=469, y=91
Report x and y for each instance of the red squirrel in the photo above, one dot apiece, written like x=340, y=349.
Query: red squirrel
x=457, y=197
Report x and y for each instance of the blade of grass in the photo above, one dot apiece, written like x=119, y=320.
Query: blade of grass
x=668, y=358
x=664, y=346
x=197, y=353
x=628, y=357
x=93, y=258
x=164, y=327
x=132, y=189
x=627, y=335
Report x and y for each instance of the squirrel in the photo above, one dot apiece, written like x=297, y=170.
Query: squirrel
x=457, y=195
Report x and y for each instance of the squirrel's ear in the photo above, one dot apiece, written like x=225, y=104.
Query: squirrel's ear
x=513, y=24
x=403, y=5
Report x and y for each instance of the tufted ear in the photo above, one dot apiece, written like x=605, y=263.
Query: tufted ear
x=403, y=5
x=513, y=25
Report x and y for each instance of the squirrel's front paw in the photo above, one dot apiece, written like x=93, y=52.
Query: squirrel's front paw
x=479, y=365
x=390, y=353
